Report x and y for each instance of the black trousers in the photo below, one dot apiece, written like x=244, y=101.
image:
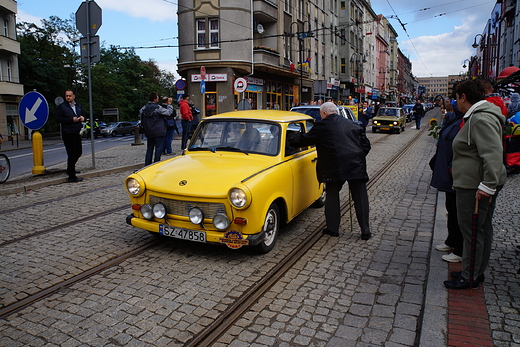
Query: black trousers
x=358, y=189
x=74, y=150
x=455, y=238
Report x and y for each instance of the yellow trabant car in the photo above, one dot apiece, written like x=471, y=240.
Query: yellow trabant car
x=235, y=184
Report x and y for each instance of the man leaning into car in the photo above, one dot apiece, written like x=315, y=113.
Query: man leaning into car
x=342, y=147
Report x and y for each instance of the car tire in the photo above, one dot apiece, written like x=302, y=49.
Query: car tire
x=104, y=135
x=320, y=202
x=398, y=130
x=132, y=132
x=114, y=134
x=270, y=230
x=374, y=129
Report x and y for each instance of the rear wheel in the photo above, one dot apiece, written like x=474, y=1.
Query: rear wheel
x=321, y=200
x=270, y=229
x=5, y=168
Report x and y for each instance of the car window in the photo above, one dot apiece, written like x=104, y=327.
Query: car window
x=297, y=127
x=314, y=112
x=250, y=137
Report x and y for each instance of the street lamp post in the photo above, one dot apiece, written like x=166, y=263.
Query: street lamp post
x=301, y=36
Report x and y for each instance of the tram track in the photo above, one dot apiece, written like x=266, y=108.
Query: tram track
x=225, y=320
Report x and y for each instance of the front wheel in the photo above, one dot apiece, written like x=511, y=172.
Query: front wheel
x=5, y=168
x=114, y=134
x=270, y=229
x=374, y=129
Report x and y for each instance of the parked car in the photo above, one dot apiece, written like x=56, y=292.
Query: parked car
x=235, y=184
x=118, y=128
x=314, y=112
x=390, y=119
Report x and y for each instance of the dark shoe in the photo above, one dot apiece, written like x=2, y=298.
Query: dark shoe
x=77, y=171
x=366, y=236
x=456, y=274
x=75, y=179
x=331, y=233
x=460, y=283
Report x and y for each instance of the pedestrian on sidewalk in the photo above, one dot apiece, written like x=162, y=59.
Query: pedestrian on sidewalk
x=418, y=111
x=70, y=115
x=342, y=148
x=443, y=181
x=152, y=117
x=170, y=126
x=478, y=173
x=186, y=118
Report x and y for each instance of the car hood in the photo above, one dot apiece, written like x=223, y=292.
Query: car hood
x=203, y=174
x=386, y=117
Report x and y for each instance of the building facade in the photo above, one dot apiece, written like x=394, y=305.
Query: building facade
x=289, y=52
x=11, y=90
x=433, y=87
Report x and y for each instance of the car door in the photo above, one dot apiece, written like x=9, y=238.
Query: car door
x=305, y=186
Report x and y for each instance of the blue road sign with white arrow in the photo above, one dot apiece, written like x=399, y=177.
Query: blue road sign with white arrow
x=33, y=110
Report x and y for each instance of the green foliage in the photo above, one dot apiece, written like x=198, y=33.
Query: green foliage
x=49, y=63
x=434, y=131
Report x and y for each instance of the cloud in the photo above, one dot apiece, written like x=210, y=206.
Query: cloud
x=23, y=16
x=443, y=54
x=154, y=10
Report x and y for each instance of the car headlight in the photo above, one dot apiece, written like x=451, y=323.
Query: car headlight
x=196, y=215
x=133, y=186
x=221, y=221
x=147, y=211
x=159, y=211
x=395, y=123
x=238, y=197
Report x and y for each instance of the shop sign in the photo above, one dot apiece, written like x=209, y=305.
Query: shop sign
x=217, y=77
x=253, y=80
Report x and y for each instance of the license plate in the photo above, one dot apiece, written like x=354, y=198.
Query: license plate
x=184, y=234
x=385, y=128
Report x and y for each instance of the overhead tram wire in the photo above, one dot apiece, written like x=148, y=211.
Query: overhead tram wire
x=406, y=32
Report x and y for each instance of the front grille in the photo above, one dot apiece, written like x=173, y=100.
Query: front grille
x=181, y=208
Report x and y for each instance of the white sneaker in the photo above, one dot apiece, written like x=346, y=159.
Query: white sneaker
x=443, y=247
x=452, y=258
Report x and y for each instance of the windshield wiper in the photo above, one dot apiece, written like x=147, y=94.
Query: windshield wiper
x=229, y=148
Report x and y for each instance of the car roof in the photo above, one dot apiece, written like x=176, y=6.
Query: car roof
x=262, y=115
x=391, y=107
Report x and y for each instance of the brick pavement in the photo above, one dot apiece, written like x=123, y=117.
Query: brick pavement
x=381, y=288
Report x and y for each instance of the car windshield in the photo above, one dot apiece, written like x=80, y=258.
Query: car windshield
x=237, y=136
x=389, y=112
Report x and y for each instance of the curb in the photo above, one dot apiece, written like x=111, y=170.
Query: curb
x=54, y=181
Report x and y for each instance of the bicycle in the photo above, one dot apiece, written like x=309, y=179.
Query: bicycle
x=5, y=168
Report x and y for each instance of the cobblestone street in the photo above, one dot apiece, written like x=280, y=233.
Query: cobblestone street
x=387, y=291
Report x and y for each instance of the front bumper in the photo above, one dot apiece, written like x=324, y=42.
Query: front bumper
x=212, y=236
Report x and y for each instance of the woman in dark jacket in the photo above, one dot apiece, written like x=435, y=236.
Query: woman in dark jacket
x=342, y=147
x=443, y=181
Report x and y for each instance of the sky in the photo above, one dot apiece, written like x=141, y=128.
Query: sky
x=437, y=39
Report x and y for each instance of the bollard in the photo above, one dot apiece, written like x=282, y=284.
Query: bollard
x=37, y=147
x=137, y=141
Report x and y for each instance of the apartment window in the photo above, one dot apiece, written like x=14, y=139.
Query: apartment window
x=203, y=32
x=343, y=38
x=343, y=66
x=9, y=75
x=6, y=28
x=343, y=8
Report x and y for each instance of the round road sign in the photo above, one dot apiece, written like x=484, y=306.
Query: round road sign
x=240, y=84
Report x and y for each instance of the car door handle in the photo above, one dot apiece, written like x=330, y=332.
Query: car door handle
x=315, y=159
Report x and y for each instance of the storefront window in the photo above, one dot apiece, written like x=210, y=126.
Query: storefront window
x=210, y=99
x=273, y=95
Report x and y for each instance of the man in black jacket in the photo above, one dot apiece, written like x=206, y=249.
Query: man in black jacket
x=152, y=117
x=342, y=147
x=70, y=115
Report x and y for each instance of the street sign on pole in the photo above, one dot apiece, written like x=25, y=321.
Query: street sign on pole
x=240, y=85
x=33, y=110
x=203, y=73
x=95, y=55
x=88, y=22
x=202, y=87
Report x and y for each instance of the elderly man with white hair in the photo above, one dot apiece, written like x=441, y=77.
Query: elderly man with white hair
x=342, y=147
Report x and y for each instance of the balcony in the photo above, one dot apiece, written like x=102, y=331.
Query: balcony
x=266, y=56
x=265, y=10
x=9, y=45
x=10, y=88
